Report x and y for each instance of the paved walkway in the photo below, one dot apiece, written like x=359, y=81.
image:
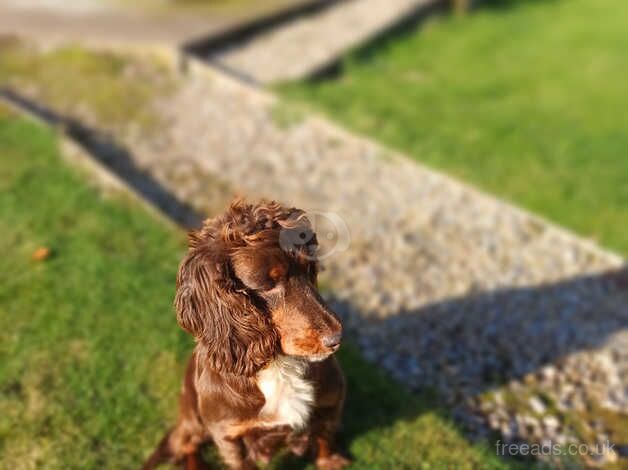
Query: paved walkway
x=102, y=23
x=307, y=45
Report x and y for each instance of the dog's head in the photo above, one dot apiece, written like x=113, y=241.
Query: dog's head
x=247, y=289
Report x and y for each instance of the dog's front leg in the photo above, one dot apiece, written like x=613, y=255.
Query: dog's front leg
x=232, y=451
x=194, y=462
x=324, y=427
x=326, y=459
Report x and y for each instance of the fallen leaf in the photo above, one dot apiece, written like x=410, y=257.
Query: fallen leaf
x=40, y=254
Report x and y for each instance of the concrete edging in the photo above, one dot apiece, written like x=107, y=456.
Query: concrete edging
x=76, y=154
x=252, y=27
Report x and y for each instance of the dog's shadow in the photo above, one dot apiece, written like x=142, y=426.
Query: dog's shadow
x=488, y=339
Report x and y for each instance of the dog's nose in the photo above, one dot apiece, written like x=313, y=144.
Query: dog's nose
x=332, y=341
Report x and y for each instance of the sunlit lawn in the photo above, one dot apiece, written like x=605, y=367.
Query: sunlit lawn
x=90, y=353
x=526, y=99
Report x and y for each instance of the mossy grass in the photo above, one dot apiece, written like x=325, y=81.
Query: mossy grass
x=104, y=88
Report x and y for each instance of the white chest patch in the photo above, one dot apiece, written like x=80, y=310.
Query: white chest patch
x=289, y=397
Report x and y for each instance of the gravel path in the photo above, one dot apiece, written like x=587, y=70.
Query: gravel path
x=302, y=47
x=520, y=326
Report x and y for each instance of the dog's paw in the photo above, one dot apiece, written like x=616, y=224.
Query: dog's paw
x=332, y=462
x=247, y=464
x=263, y=457
x=299, y=445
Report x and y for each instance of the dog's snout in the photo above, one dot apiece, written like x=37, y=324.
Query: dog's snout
x=332, y=341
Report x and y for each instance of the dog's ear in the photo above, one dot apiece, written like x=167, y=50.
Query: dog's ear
x=235, y=334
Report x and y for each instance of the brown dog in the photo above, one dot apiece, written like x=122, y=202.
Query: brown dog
x=263, y=374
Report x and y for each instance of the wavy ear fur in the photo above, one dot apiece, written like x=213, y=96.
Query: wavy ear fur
x=234, y=334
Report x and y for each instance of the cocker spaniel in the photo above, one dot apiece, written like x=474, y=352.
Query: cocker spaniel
x=263, y=373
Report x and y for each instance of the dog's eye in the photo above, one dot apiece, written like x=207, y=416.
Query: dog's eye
x=277, y=273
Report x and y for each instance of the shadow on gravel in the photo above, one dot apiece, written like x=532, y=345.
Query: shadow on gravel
x=460, y=348
x=465, y=346
x=112, y=155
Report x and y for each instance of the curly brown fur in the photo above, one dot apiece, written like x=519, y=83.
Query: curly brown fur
x=263, y=374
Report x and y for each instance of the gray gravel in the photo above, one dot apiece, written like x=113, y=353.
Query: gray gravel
x=443, y=286
x=520, y=326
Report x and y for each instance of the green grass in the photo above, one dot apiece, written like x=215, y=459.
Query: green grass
x=526, y=99
x=90, y=354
